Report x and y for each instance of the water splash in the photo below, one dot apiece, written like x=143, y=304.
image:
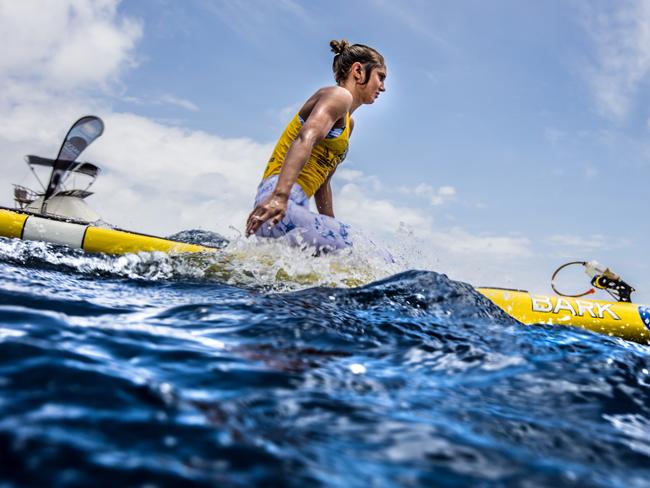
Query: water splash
x=261, y=263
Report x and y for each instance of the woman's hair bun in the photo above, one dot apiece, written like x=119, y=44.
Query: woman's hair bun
x=339, y=46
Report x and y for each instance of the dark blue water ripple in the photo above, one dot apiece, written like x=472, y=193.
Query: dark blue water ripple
x=415, y=380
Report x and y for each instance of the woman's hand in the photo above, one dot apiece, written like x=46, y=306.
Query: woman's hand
x=273, y=209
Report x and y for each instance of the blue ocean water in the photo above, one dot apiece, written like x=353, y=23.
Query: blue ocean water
x=159, y=371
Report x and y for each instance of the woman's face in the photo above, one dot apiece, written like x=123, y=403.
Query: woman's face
x=375, y=85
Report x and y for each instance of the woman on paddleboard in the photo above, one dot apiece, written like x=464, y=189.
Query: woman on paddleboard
x=311, y=147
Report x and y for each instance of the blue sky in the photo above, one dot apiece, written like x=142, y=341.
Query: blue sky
x=513, y=135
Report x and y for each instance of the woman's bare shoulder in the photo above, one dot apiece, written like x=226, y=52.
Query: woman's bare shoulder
x=337, y=94
x=328, y=95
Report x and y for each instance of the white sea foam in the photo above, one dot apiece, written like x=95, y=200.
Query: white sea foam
x=269, y=264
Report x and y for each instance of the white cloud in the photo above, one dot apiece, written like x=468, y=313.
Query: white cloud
x=285, y=114
x=179, y=102
x=438, y=196
x=64, y=44
x=369, y=182
x=166, y=99
x=587, y=242
x=169, y=178
x=355, y=203
x=377, y=215
x=421, y=189
x=443, y=194
x=461, y=242
x=621, y=35
x=348, y=174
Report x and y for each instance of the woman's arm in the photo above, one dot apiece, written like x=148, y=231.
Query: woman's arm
x=331, y=106
x=323, y=197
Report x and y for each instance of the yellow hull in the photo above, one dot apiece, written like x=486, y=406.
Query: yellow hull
x=87, y=237
x=626, y=320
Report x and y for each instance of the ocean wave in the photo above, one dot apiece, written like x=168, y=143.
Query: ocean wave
x=147, y=373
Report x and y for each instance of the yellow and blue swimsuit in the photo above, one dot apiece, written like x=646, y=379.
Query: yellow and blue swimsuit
x=326, y=155
x=300, y=225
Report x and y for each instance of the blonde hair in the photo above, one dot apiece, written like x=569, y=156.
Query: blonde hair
x=347, y=54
